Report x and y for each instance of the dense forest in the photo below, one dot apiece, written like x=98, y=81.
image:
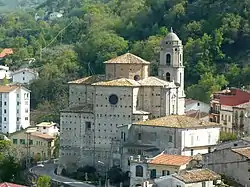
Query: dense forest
x=215, y=33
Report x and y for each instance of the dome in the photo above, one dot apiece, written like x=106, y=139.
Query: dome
x=172, y=36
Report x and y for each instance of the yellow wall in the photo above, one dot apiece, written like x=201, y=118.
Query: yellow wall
x=39, y=147
x=160, y=168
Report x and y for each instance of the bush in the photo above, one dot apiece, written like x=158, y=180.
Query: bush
x=227, y=136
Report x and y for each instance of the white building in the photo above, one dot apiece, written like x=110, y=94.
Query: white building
x=15, y=108
x=191, y=104
x=172, y=134
x=49, y=128
x=124, y=94
x=24, y=76
x=5, y=72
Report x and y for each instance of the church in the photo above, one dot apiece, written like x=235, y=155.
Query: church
x=125, y=94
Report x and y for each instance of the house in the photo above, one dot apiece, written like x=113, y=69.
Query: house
x=191, y=104
x=49, y=128
x=31, y=143
x=126, y=93
x=161, y=165
x=190, y=178
x=5, y=72
x=228, y=107
x=14, y=108
x=232, y=162
x=24, y=76
x=7, y=184
x=174, y=134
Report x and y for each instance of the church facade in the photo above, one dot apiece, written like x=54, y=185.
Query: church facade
x=126, y=93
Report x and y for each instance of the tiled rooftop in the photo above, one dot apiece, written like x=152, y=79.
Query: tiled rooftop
x=154, y=81
x=173, y=160
x=118, y=82
x=197, y=175
x=178, y=121
x=7, y=89
x=245, y=151
x=127, y=58
x=41, y=135
x=88, y=80
x=196, y=114
x=243, y=105
x=5, y=52
x=6, y=184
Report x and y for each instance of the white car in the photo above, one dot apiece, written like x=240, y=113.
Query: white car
x=40, y=165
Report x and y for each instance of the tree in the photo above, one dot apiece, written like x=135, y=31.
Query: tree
x=44, y=181
x=5, y=80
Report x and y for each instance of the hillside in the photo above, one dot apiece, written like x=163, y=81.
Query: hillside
x=216, y=34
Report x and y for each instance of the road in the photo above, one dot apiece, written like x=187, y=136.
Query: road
x=49, y=169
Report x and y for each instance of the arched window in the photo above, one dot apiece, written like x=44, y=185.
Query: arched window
x=180, y=57
x=168, y=59
x=139, y=171
x=168, y=76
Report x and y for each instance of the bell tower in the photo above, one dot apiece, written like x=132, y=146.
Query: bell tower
x=171, y=66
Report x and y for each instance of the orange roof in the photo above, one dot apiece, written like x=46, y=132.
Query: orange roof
x=173, y=160
x=6, y=89
x=6, y=52
x=41, y=135
x=6, y=184
x=243, y=151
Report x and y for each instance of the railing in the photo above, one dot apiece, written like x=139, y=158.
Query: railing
x=213, y=111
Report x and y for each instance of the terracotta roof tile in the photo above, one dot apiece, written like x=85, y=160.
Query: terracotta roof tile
x=197, y=175
x=41, y=135
x=196, y=114
x=88, y=80
x=6, y=184
x=173, y=160
x=9, y=88
x=118, y=82
x=178, y=121
x=243, y=105
x=5, y=52
x=127, y=58
x=243, y=151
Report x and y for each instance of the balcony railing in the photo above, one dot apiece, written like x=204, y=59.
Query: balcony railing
x=213, y=111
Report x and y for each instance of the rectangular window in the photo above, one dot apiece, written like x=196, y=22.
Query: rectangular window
x=31, y=142
x=170, y=138
x=17, y=95
x=168, y=172
x=18, y=103
x=26, y=110
x=87, y=125
x=164, y=172
x=17, y=111
x=22, y=141
x=192, y=152
x=124, y=137
x=153, y=174
x=209, y=149
x=26, y=118
x=17, y=119
x=5, y=103
x=4, y=119
x=5, y=111
x=139, y=136
x=14, y=141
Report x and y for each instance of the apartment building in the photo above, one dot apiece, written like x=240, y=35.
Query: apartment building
x=14, y=108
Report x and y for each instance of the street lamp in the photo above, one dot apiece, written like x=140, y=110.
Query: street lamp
x=106, y=171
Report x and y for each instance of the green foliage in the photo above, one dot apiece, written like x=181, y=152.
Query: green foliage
x=10, y=168
x=227, y=136
x=44, y=181
x=57, y=146
x=5, y=81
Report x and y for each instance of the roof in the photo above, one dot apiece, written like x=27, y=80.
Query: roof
x=228, y=108
x=178, y=121
x=88, y=80
x=245, y=151
x=8, y=88
x=5, y=52
x=42, y=136
x=173, y=160
x=234, y=97
x=46, y=124
x=127, y=58
x=171, y=36
x=6, y=184
x=154, y=81
x=196, y=114
x=25, y=70
x=118, y=82
x=197, y=175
